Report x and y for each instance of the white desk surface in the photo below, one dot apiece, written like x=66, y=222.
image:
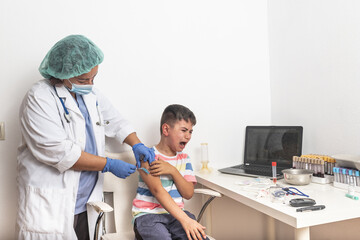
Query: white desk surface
x=337, y=206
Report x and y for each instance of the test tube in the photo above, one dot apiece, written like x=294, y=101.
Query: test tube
x=317, y=167
x=322, y=169
x=313, y=166
x=326, y=165
x=295, y=161
x=340, y=174
x=357, y=175
x=351, y=188
x=346, y=179
x=302, y=164
x=350, y=176
x=333, y=163
x=310, y=164
x=336, y=175
x=273, y=164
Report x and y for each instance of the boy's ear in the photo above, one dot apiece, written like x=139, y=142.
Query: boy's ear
x=165, y=129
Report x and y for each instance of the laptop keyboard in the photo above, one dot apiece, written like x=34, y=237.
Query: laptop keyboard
x=265, y=171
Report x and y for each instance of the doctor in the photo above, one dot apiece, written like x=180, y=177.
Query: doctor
x=64, y=121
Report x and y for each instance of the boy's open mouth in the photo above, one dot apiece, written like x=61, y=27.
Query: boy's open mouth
x=182, y=144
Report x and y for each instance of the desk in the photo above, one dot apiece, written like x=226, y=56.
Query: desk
x=338, y=207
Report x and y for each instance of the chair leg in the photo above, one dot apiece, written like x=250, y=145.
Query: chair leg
x=204, y=208
x=96, y=233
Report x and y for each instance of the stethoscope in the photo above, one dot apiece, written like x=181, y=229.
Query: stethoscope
x=67, y=115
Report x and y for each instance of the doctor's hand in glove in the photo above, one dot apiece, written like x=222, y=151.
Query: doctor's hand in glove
x=119, y=168
x=143, y=153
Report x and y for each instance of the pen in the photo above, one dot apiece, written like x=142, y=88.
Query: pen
x=311, y=208
x=352, y=196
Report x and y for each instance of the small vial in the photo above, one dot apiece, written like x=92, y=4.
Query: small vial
x=357, y=175
x=273, y=164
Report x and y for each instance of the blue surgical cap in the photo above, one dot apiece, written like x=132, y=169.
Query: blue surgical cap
x=70, y=57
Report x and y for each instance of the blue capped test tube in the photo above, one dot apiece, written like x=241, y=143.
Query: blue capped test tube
x=345, y=180
x=351, y=179
x=357, y=176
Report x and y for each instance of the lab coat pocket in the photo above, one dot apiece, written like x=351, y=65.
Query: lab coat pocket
x=46, y=209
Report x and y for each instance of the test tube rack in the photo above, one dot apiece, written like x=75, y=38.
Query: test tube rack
x=321, y=165
x=346, y=177
x=345, y=186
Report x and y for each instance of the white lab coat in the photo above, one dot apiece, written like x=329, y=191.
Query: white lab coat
x=50, y=147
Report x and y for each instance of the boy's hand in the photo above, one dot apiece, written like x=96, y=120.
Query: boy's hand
x=161, y=167
x=193, y=229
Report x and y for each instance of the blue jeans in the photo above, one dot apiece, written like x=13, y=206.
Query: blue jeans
x=160, y=226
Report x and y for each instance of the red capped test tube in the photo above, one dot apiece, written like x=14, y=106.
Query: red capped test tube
x=273, y=164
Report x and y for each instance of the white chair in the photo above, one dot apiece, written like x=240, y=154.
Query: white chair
x=124, y=191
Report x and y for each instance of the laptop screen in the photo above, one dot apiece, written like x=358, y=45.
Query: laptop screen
x=266, y=144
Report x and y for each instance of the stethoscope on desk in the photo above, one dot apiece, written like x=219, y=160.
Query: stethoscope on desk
x=295, y=192
x=68, y=116
x=289, y=191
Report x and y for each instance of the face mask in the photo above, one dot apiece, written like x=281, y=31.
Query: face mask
x=80, y=89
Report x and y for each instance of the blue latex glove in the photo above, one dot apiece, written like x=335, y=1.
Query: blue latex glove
x=144, y=153
x=119, y=168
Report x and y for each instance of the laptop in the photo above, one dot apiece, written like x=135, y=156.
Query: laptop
x=267, y=144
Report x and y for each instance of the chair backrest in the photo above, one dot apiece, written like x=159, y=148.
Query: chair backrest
x=124, y=191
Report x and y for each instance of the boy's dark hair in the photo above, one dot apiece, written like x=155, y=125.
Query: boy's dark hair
x=176, y=112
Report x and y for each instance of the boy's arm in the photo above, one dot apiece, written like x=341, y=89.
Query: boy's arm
x=161, y=167
x=192, y=228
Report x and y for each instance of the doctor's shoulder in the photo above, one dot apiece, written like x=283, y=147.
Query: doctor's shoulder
x=40, y=90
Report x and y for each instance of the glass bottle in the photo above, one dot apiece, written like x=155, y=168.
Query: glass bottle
x=205, y=158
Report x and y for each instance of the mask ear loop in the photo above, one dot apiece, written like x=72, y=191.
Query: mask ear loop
x=70, y=89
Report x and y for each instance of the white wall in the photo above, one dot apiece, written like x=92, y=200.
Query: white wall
x=211, y=56
x=315, y=73
x=315, y=80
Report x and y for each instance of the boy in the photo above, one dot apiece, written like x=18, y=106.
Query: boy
x=158, y=206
